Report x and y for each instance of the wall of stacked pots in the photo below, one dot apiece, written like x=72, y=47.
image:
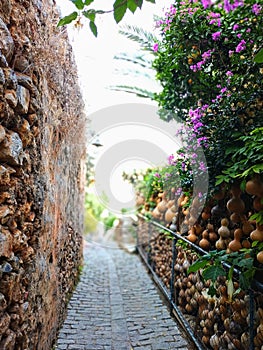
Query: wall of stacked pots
x=172, y=236
x=42, y=152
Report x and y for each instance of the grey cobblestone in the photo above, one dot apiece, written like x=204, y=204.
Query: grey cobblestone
x=116, y=306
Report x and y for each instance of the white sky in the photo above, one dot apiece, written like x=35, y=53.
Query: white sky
x=97, y=71
x=94, y=56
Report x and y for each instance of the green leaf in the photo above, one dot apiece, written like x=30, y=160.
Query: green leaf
x=237, y=291
x=212, y=272
x=230, y=288
x=93, y=28
x=243, y=185
x=258, y=168
x=78, y=3
x=120, y=8
x=211, y=290
x=230, y=273
x=88, y=2
x=139, y=3
x=253, y=169
x=152, y=1
x=90, y=14
x=247, y=263
x=221, y=179
x=68, y=19
x=258, y=217
x=108, y=222
x=245, y=278
x=132, y=5
x=197, y=265
x=259, y=56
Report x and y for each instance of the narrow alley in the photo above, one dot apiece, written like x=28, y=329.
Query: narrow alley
x=116, y=306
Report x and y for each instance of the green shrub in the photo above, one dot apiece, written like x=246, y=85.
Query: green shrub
x=205, y=63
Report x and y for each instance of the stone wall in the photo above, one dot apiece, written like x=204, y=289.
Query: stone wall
x=42, y=153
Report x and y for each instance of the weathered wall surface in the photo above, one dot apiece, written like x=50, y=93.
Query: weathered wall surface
x=42, y=152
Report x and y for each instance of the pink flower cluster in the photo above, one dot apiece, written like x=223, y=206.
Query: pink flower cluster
x=168, y=19
x=196, y=67
x=202, y=141
x=228, y=6
x=216, y=36
x=206, y=3
x=205, y=56
x=155, y=47
x=171, y=160
x=216, y=21
x=202, y=167
x=195, y=118
x=214, y=18
x=256, y=9
x=167, y=176
x=241, y=46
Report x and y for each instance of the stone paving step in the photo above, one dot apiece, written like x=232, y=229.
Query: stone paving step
x=116, y=306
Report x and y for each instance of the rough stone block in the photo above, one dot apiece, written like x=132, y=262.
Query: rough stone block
x=12, y=149
x=8, y=342
x=11, y=98
x=4, y=324
x=23, y=99
x=6, y=41
x=5, y=243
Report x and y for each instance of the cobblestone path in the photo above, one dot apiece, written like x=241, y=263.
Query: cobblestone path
x=116, y=306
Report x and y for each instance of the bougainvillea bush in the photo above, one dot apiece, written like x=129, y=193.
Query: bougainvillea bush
x=205, y=63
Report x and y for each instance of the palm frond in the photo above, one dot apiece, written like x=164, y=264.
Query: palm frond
x=137, y=59
x=134, y=73
x=133, y=90
x=141, y=36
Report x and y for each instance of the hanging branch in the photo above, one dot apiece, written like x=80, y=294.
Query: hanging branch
x=120, y=7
